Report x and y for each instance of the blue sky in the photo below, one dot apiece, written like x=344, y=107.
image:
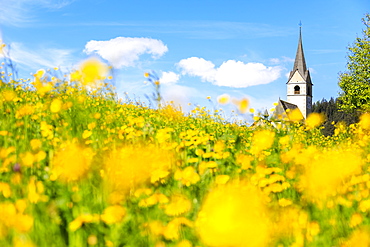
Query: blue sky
x=199, y=48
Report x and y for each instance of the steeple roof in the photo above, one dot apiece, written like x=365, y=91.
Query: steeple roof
x=300, y=62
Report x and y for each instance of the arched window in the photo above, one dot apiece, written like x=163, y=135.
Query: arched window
x=297, y=90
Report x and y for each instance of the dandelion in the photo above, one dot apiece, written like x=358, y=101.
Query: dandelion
x=355, y=220
x=262, y=140
x=234, y=215
x=223, y=99
x=365, y=121
x=325, y=171
x=35, y=144
x=313, y=120
x=178, y=205
x=71, y=162
x=242, y=105
x=113, y=214
x=187, y=176
x=295, y=115
x=8, y=95
x=91, y=71
x=56, y=105
x=122, y=175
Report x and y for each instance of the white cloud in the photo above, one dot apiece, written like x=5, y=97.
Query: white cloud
x=231, y=73
x=17, y=12
x=195, y=66
x=40, y=57
x=124, y=52
x=169, y=77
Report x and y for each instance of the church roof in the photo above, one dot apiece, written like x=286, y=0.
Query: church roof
x=287, y=105
x=282, y=108
x=300, y=62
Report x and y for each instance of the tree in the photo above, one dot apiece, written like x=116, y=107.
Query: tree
x=333, y=115
x=355, y=82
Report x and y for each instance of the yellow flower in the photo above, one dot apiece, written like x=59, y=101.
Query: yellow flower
x=92, y=240
x=171, y=231
x=153, y=200
x=223, y=99
x=5, y=190
x=27, y=159
x=35, y=144
x=232, y=214
x=242, y=105
x=92, y=70
x=284, y=202
x=56, y=105
x=113, y=214
x=122, y=175
x=359, y=238
x=8, y=95
x=325, y=171
x=178, y=205
x=188, y=176
x=71, y=162
x=23, y=222
x=356, y=219
x=86, y=134
x=24, y=110
x=222, y=179
x=365, y=121
x=262, y=140
x=295, y=115
x=245, y=161
x=184, y=243
x=314, y=120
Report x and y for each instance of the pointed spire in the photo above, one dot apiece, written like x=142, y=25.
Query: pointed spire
x=300, y=62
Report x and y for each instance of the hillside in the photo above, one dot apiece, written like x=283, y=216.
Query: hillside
x=81, y=168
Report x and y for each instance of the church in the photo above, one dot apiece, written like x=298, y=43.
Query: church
x=299, y=87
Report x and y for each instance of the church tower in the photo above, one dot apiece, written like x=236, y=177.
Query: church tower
x=299, y=85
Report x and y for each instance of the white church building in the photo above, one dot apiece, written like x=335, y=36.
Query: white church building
x=299, y=86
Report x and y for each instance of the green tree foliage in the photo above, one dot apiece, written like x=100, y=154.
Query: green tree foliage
x=355, y=82
x=333, y=115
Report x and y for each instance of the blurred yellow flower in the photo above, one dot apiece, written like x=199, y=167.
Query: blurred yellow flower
x=92, y=70
x=358, y=238
x=326, y=170
x=122, y=175
x=113, y=214
x=178, y=205
x=242, y=105
x=222, y=179
x=262, y=140
x=8, y=95
x=188, y=176
x=56, y=105
x=86, y=134
x=71, y=162
x=35, y=144
x=314, y=120
x=365, y=121
x=223, y=99
x=5, y=189
x=355, y=220
x=234, y=215
x=295, y=115
x=285, y=202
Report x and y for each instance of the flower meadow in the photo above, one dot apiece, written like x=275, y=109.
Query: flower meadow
x=79, y=167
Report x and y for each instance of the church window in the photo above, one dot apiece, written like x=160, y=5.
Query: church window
x=297, y=90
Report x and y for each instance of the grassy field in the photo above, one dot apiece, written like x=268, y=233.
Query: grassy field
x=81, y=168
